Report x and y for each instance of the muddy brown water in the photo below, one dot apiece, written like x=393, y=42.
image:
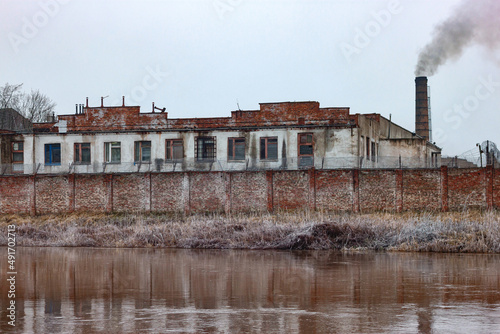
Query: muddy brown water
x=89, y=290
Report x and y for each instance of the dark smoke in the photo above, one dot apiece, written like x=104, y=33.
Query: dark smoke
x=473, y=22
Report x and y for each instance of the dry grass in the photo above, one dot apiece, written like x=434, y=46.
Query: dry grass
x=469, y=231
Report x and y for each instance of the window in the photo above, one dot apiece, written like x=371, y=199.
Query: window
x=362, y=145
x=82, y=153
x=52, y=154
x=269, y=148
x=306, y=151
x=374, y=152
x=205, y=149
x=236, y=149
x=142, y=151
x=367, y=147
x=17, y=156
x=17, y=152
x=112, y=152
x=174, y=150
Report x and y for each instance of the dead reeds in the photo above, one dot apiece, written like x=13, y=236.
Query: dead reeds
x=469, y=231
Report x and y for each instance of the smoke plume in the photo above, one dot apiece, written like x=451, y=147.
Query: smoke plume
x=473, y=22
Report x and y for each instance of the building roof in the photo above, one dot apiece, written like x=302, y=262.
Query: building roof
x=13, y=121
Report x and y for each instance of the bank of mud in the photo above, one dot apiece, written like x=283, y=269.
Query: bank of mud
x=467, y=232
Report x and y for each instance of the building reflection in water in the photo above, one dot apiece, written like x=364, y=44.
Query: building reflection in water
x=81, y=290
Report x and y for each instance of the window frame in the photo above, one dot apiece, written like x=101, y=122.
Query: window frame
x=205, y=155
x=108, y=152
x=264, y=155
x=79, y=153
x=14, y=151
x=169, y=149
x=305, y=157
x=231, y=148
x=52, y=147
x=139, y=146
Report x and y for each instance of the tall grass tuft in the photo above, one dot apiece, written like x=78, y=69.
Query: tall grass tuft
x=466, y=231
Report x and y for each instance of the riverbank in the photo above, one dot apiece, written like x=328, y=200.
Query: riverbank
x=468, y=232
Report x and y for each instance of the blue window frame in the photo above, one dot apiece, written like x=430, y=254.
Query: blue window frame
x=52, y=154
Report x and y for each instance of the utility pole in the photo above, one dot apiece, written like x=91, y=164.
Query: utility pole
x=480, y=154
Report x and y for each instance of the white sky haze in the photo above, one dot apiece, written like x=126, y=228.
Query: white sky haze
x=203, y=58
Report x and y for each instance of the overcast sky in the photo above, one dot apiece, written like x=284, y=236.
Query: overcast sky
x=204, y=58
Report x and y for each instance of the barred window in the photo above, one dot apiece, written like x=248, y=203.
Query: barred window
x=205, y=149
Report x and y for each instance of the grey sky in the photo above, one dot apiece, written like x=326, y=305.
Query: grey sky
x=201, y=58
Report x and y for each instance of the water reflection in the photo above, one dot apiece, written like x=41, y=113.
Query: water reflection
x=82, y=290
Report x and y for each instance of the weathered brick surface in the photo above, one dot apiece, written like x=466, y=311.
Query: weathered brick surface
x=131, y=192
x=270, y=114
x=466, y=188
x=168, y=192
x=248, y=191
x=334, y=190
x=15, y=194
x=496, y=188
x=422, y=190
x=207, y=192
x=53, y=194
x=91, y=193
x=291, y=190
x=377, y=190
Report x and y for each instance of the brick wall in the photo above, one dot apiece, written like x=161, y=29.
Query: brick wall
x=496, y=189
x=53, y=194
x=332, y=190
x=91, y=192
x=169, y=192
x=131, y=192
x=207, y=191
x=422, y=190
x=16, y=194
x=466, y=187
x=248, y=191
x=290, y=190
x=377, y=190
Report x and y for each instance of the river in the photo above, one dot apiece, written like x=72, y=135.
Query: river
x=90, y=290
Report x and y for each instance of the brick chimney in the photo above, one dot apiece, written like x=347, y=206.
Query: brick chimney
x=421, y=108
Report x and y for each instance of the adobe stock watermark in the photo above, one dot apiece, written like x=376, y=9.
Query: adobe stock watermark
x=364, y=36
x=31, y=25
x=460, y=112
x=150, y=82
x=222, y=7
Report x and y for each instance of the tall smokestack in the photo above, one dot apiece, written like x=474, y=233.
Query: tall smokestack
x=421, y=108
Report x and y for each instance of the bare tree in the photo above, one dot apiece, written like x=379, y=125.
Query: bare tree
x=10, y=96
x=35, y=106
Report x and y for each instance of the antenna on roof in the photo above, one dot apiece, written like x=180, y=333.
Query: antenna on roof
x=238, y=104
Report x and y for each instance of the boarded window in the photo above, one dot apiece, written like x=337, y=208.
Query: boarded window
x=174, y=150
x=269, y=148
x=236, y=149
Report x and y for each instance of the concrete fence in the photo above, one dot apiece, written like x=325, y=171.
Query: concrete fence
x=347, y=190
